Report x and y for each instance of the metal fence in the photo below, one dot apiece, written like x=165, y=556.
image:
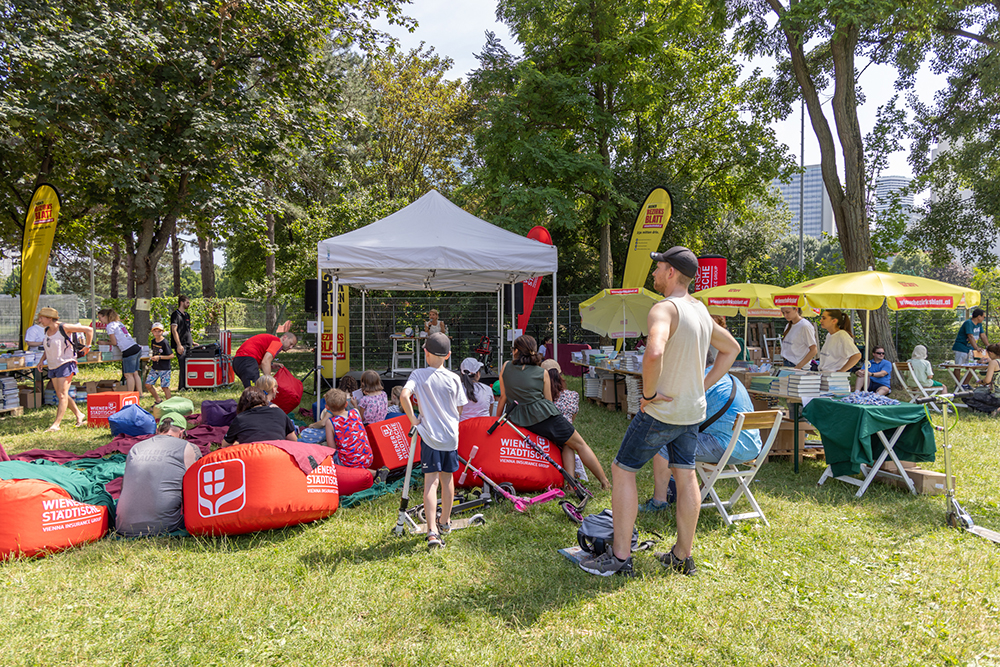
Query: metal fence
x=70, y=307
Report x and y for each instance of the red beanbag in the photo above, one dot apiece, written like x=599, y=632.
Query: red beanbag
x=40, y=518
x=256, y=486
x=390, y=443
x=504, y=456
x=289, y=390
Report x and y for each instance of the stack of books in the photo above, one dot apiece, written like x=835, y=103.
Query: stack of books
x=761, y=382
x=591, y=386
x=798, y=384
x=633, y=392
x=10, y=397
x=836, y=382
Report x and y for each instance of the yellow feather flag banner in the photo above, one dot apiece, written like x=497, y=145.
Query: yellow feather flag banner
x=39, y=232
x=646, y=235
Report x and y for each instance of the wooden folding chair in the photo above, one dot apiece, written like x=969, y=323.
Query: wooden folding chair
x=913, y=388
x=743, y=473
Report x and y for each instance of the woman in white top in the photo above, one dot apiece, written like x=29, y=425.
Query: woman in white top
x=434, y=325
x=798, y=342
x=130, y=350
x=839, y=352
x=480, y=396
x=61, y=360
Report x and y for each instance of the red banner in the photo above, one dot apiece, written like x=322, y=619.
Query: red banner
x=711, y=272
x=541, y=234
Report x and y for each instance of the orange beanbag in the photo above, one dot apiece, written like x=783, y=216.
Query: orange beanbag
x=504, y=456
x=256, y=486
x=40, y=518
x=390, y=443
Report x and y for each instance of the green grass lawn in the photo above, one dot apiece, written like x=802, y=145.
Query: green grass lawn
x=833, y=581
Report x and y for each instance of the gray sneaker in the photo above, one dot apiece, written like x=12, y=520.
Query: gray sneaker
x=653, y=505
x=683, y=566
x=607, y=564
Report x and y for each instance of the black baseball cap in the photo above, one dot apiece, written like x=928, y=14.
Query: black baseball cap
x=438, y=343
x=680, y=258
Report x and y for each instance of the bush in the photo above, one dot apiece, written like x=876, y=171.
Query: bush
x=203, y=312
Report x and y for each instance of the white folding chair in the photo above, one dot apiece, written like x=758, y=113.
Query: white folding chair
x=743, y=473
x=913, y=388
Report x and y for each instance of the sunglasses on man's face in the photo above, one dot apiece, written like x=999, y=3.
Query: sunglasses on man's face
x=879, y=353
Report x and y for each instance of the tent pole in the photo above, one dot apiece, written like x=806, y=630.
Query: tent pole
x=555, y=320
x=363, y=364
x=499, y=327
x=319, y=332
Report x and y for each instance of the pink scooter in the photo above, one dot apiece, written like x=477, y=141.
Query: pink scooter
x=506, y=490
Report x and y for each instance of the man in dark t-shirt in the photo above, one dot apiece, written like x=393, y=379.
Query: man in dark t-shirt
x=264, y=422
x=256, y=356
x=180, y=335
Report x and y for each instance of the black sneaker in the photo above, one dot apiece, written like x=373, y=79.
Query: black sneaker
x=381, y=475
x=607, y=564
x=672, y=562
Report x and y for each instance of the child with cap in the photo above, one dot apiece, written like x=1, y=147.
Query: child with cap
x=441, y=399
x=160, y=356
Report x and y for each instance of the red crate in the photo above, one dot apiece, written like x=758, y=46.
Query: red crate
x=103, y=405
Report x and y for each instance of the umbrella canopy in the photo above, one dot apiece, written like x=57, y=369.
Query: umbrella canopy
x=618, y=313
x=868, y=290
x=737, y=297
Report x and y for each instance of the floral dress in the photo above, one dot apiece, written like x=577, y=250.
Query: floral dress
x=374, y=406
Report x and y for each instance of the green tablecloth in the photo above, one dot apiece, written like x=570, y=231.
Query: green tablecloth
x=848, y=432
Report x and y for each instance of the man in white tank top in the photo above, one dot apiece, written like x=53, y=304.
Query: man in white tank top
x=672, y=407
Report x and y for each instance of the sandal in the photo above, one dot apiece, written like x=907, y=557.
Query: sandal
x=445, y=529
x=81, y=422
x=52, y=429
x=434, y=541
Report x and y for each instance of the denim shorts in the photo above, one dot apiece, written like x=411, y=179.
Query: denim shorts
x=646, y=437
x=64, y=371
x=709, y=450
x=434, y=460
x=131, y=364
x=162, y=376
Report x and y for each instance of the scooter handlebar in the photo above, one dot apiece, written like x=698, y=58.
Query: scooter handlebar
x=497, y=424
x=937, y=397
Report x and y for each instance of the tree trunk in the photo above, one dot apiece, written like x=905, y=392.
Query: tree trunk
x=130, y=266
x=271, y=311
x=175, y=250
x=206, y=252
x=116, y=262
x=149, y=248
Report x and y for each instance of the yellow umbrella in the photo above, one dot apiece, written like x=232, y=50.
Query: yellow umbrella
x=746, y=299
x=868, y=290
x=618, y=313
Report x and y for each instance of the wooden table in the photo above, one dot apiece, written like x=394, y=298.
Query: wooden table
x=795, y=410
x=615, y=373
x=969, y=375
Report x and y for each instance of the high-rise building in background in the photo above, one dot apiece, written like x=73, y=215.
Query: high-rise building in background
x=886, y=187
x=817, y=210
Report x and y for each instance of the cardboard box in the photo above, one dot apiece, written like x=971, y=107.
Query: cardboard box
x=93, y=356
x=29, y=399
x=926, y=482
x=15, y=362
x=608, y=391
x=103, y=405
x=784, y=443
x=90, y=386
x=754, y=355
x=744, y=375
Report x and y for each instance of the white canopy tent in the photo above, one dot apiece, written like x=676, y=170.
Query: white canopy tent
x=432, y=244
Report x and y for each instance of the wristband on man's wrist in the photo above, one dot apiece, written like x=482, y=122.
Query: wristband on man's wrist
x=648, y=398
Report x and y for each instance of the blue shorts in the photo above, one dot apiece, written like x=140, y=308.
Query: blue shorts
x=162, y=376
x=434, y=460
x=313, y=436
x=131, y=364
x=709, y=450
x=646, y=437
x=64, y=371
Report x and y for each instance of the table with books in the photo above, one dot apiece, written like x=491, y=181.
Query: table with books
x=796, y=388
x=859, y=439
x=627, y=369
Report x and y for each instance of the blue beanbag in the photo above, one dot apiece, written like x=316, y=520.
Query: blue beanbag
x=132, y=420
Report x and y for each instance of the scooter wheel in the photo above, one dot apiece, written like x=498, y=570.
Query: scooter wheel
x=509, y=488
x=477, y=520
x=570, y=510
x=952, y=520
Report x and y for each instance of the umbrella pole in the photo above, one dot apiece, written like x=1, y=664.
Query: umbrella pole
x=863, y=360
x=746, y=335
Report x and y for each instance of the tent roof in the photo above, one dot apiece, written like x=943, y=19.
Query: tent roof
x=434, y=245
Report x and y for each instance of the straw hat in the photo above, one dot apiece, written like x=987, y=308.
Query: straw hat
x=51, y=313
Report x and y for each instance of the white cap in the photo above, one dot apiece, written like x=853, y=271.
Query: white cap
x=471, y=366
x=157, y=325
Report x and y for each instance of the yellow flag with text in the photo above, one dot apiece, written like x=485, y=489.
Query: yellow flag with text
x=36, y=244
x=335, y=350
x=654, y=214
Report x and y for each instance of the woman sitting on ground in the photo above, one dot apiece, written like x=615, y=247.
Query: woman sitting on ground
x=268, y=385
x=527, y=386
x=986, y=398
x=256, y=421
x=568, y=402
x=839, y=352
x=921, y=369
x=480, y=396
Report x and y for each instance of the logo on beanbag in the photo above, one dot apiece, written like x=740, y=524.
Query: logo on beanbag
x=58, y=513
x=400, y=443
x=130, y=400
x=323, y=479
x=513, y=450
x=222, y=488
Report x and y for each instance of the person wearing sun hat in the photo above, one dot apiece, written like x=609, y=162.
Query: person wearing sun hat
x=160, y=356
x=60, y=357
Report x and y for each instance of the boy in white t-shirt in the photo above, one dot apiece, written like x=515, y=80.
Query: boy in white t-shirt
x=441, y=397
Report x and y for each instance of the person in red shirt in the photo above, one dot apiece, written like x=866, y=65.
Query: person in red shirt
x=256, y=356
